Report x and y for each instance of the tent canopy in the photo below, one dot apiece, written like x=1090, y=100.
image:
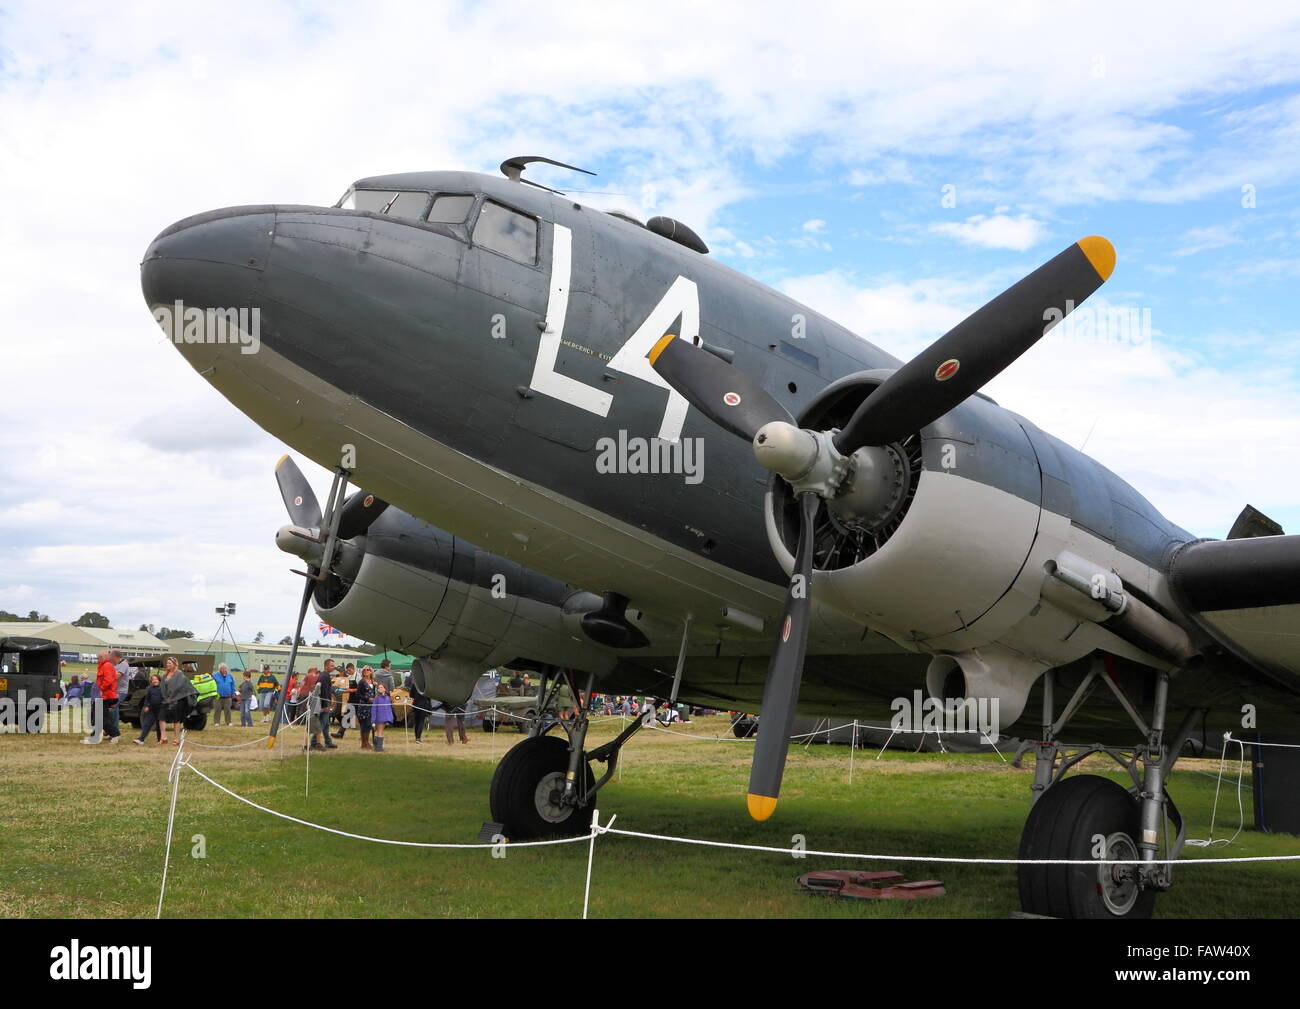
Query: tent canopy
x=399, y=661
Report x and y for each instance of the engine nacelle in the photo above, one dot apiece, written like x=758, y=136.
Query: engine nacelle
x=411, y=586
x=994, y=677
x=939, y=557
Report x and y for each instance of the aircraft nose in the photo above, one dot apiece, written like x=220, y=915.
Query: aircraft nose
x=209, y=261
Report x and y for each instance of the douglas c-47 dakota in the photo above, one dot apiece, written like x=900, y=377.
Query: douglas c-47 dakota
x=522, y=386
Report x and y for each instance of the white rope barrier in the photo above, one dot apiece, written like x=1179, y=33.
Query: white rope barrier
x=375, y=840
x=938, y=859
x=252, y=742
x=1228, y=737
x=182, y=761
x=947, y=859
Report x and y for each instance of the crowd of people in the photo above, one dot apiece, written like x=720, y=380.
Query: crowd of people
x=364, y=699
x=329, y=699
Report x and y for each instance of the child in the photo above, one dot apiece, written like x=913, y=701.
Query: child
x=151, y=711
x=246, y=699
x=381, y=714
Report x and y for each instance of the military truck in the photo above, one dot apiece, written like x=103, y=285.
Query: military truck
x=191, y=666
x=503, y=705
x=29, y=670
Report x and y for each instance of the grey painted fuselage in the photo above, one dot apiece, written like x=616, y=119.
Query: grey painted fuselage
x=428, y=351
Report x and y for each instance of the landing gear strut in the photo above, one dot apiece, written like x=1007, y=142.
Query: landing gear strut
x=1091, y=817
x=544, y=785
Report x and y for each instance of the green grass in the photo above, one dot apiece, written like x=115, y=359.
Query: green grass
x=66, y=811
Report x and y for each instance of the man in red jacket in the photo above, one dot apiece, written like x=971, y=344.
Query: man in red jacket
x=107, y=721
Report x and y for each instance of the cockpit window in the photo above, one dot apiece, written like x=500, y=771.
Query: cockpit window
x=448, y=209
x=381, y=201
x=507, y=232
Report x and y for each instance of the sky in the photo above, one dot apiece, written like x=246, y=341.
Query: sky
x=891, y=168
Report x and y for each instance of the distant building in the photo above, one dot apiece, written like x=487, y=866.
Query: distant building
x=82, y=644
x=251, y=656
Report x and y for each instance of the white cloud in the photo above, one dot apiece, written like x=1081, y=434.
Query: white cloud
x=999, y=231
x=1182, y=429
x=814, y=227
x=1203, y=239
x=126, y=475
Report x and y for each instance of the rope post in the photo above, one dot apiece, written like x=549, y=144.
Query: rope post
x=596, y=829
x=853, y=748
x=174, y=775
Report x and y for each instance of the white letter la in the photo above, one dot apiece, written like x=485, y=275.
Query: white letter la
x=682, y=298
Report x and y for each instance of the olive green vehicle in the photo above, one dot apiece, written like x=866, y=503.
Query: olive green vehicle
x=191, y=666
x=516, y=706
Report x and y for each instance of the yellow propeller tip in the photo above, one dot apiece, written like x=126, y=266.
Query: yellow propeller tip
x=658, y=348
x=1100, y=253
x=280, y=462
x=761, y=806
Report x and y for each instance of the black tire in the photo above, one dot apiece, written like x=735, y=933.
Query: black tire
x=515, y=797
x=197, y=721
x=489, y=725
x=1062, y=824
x=744, y=727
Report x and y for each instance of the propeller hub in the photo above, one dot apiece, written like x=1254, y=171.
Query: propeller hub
x=807, y=460
x=786, y=450
x=874, y=489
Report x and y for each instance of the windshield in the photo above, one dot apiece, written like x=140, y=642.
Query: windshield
x=395, y=203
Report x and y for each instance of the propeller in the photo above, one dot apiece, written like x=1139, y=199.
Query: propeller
x=358, y=512
x=718, y=389
x=982, y=345
x=299, y=499
x=818, y=464
x=784, y=673
x=306, y=538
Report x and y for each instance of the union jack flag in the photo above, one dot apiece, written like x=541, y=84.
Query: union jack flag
x=327, y=630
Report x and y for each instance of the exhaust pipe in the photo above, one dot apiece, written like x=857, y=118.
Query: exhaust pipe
x=1130, y=618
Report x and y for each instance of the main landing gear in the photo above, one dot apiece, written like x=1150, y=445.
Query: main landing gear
x=1091, y=818
x=544, y=786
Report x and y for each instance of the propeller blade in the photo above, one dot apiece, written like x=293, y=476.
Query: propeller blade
x=964, y=359
x=299, y=498
x=781, y=691
x=358, y=512
x=307, y=590
x=723, y=393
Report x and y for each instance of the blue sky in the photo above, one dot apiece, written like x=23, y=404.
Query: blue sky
x=810, y=146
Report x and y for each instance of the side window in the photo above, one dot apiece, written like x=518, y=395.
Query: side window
x=507, y=232
x=450, y=209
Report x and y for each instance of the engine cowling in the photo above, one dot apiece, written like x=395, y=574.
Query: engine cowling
x=411, y=586
x=934, y=548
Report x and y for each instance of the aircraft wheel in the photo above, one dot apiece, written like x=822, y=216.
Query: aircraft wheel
x=1063, y=824
x=525, y=789
x=489, y=725
x=744, y=728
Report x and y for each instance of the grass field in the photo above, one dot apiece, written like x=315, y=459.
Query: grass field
x=82, y=831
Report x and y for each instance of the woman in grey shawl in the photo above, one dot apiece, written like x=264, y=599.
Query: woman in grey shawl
x=178, y=698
